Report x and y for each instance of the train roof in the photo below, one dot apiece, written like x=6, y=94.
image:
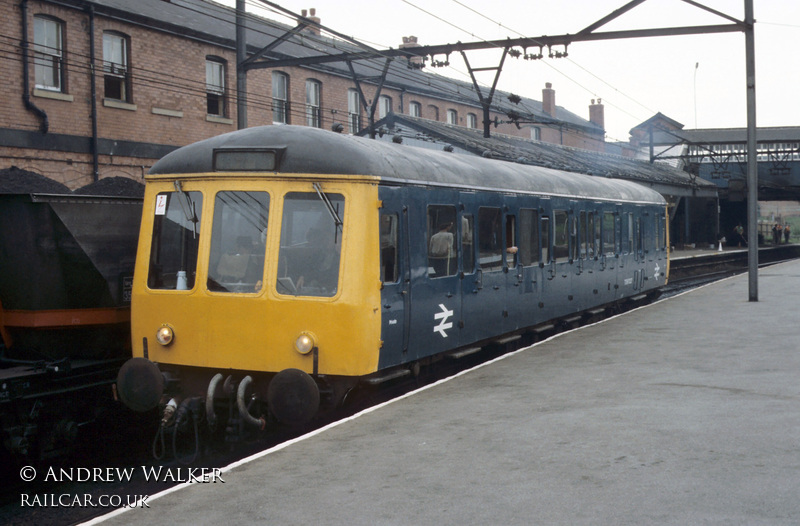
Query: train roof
x=305, y=150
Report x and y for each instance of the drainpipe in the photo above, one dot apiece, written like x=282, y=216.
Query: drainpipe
x=44, y=125
x=93, y=81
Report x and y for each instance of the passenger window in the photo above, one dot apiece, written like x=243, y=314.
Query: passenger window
x=490, y=239
x=573, y=237
x=176, y=237
x=442, y=255
x=389, y=248
x=468, y=243
x=629, y=238
x=528, y=237
x=609, y=239
x=639, y=235
x=545, y=240
x=238, y=242
x=311, y=244
x=511, y=244
x=561, y=241
x=584, y=234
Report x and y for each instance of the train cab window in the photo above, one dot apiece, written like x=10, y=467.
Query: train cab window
x=311, y=244
x=528, y=237
x=468, y=242
x=490, y=239
x=545, y=240
x=442, y=254
x=389, y=249
x=511, y=241
x=238, y=242
x=175, y=239
x=609, y=237
x=561, y=241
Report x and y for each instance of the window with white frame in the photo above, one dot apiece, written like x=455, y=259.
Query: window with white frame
x=536, y=133
x=215, y=87
x=280, y=98
x=415, y=109
x=48, y=47
x=452, y=117
x=472, y=120
x=384, y=106
x=313, y=111
x=353, y=110
x=116, y=73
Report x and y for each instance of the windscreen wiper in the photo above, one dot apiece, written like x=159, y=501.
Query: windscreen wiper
x=187, y=205
x=331, y=210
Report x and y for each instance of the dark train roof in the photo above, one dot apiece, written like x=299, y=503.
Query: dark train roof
x=315, y=151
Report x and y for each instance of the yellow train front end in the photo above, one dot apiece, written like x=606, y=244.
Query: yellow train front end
x=255, y=289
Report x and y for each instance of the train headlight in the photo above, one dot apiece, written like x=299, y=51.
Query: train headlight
x=164, y=335
x=304, y=343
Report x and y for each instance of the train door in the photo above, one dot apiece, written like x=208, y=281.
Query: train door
x=610, y=248
x=483, y=294
x=434, y=273
x=528, y=272
x=586, y=280
x=565, y=232
x=395, y=278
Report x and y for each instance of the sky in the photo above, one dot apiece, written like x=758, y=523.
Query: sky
x=697, y=80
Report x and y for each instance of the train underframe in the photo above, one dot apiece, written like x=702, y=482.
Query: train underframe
x=200, y=406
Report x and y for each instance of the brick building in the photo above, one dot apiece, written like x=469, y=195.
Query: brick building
x=102, y=88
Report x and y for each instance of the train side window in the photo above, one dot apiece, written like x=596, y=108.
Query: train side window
x=573, y=237
x=175, y=239
x=442, y=254
x=609, y=238
x=238, y=242
x=639, y=235
x=468, y=242
x=511, y=241
x=627, y=233
x=561, y=241
x=545, y=240
x=389, y=248
x=598, y=240
x=311, y=244
x=490, y=239
x=528, y=237
x=584, y=234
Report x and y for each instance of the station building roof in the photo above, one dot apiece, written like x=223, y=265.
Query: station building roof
x=666, y=179
x=215, y=23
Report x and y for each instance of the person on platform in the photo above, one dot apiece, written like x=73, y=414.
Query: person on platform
x=738, y=236
x=787, y=231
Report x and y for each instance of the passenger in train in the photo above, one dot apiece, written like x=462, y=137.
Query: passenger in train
x=323, y=275
x=440, y=250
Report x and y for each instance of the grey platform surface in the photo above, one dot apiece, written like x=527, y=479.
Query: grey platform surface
x=684, y=412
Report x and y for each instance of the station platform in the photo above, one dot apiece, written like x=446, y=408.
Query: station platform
x=683, y=412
